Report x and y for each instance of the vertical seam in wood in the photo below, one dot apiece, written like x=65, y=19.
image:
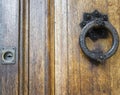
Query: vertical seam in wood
x=28, y=47
x=19, y=18
x=20, y=70
x=46, y=52
x=67, y=52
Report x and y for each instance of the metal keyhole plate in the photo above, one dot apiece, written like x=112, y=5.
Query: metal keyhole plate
x=8, y=55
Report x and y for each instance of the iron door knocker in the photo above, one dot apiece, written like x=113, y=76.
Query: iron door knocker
x=90, y=21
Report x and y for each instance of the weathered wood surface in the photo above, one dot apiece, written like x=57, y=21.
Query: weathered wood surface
x=9, y=37
x=74, y=73
x=51, y=62
x=41, y=47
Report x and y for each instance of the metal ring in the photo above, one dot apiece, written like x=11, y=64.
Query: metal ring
x=93, y=55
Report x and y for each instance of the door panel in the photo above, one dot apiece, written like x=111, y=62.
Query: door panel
x=61, y=47
x=9, y=30
x=37, y=53
x=49, y=60
x=114, y=14
x=40, y=48
x=75, y=74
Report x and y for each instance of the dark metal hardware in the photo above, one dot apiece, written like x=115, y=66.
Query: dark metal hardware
x=96, y=22
x=8, y=55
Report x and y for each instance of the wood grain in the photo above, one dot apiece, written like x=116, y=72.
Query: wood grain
x=9, y=30
x=114, y=14
x=50, y=60
x=37, y=47
x=50, y=43
x=73, y=48
x=23, y=50
x=100, y=74
x=82, y=75
x=41, y=48
x=61, y=79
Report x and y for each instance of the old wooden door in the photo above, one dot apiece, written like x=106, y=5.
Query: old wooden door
x=48, y=58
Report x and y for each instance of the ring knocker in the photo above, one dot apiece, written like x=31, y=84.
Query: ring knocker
x=99, y=20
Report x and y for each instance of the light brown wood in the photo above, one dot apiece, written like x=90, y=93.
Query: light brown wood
x=50, y=36
x=78, y=75
x=37, y=47
x=50, y=60
x=61, y=81
x=24, y=47
x=41, y=48
x=114, y=14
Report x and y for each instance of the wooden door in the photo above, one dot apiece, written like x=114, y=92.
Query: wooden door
x=49, y=60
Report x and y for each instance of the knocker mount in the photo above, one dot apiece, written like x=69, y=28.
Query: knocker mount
x=96, y=25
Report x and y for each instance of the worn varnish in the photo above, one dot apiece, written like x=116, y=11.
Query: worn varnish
x=9, y=30
x=78, y=74
x=49, y=58
x=39, y=61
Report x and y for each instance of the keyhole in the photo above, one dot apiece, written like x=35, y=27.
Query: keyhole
x=8, y=56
